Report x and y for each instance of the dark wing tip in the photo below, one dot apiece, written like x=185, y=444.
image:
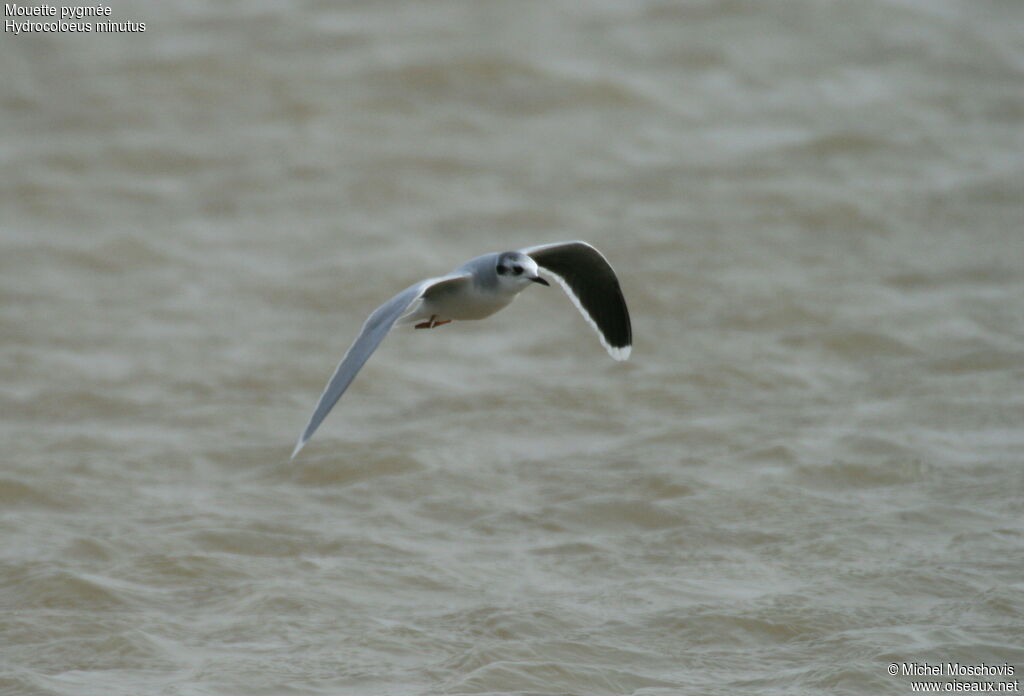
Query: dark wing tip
x=590, y=282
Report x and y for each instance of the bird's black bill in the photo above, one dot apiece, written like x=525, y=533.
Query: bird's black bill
x=540, y=280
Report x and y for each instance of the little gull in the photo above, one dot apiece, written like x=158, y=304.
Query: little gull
x=478, y=289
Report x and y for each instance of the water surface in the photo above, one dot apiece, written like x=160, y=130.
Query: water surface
x=809, y=469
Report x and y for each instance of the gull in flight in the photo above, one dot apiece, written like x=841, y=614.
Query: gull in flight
x=478, y=289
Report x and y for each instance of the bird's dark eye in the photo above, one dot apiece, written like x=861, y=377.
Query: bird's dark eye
x=517, y=269
x=502, y=269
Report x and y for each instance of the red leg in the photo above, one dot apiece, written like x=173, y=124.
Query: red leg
x=432, y=322
x=429, y=324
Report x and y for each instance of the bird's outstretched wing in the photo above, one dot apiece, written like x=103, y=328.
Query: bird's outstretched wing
x=591, y=284
x=375, y=328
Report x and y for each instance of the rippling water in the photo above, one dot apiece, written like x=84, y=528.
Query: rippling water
x=810, y=468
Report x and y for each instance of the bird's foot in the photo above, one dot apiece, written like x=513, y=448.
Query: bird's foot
x=432, y=322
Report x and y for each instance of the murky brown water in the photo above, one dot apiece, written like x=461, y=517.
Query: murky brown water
x=810, y=468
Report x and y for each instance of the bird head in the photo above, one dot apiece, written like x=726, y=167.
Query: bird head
x=516, y=270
